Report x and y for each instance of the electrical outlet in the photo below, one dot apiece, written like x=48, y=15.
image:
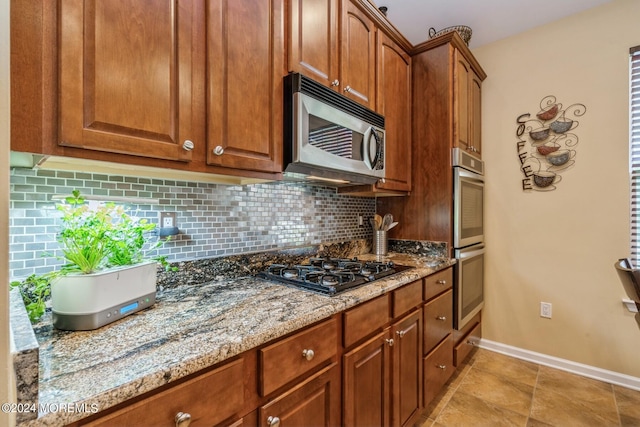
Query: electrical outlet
x=167, y=219
x=545, y=309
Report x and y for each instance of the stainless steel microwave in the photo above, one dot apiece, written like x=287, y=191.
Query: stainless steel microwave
x=329, y=137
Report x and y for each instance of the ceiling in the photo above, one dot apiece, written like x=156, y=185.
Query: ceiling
x=490, y=20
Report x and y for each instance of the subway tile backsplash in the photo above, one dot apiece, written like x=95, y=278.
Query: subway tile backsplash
x=214, y=220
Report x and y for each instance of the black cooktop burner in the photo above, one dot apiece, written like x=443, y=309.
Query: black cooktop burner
x=330, y=275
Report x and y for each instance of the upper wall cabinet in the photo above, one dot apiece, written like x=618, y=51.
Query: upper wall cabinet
x=358, y=56
x=245, y=67
x=394, y=103
x=314, y=41
x=188, y=85
x=128, y=74
x=467, y=105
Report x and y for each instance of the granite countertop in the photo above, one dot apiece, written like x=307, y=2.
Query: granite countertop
x=191, y=327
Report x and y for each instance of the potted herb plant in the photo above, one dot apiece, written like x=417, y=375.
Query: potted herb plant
x=106, y=275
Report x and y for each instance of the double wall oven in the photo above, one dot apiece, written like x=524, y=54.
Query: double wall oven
x=468, y=236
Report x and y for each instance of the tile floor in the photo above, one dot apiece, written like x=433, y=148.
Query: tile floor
x=497, y=390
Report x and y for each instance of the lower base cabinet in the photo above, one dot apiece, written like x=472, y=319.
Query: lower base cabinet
x=406, y=378
x=367, y=370
x=315, y=401
x=438, y=368
x=383, y=376
x=196, y=402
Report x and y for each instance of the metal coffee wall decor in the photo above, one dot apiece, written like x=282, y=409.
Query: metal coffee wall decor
x=546, y=143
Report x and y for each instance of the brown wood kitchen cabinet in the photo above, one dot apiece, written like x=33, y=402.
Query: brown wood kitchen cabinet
x=129, y=77
x=245, y=66
x=290, y=366
x=186, y=85
x=382, y=375
x=336, y=47
x=438, y=332
x=445, y=110
x=467, y=105
x=394, y=103
x=197, y=400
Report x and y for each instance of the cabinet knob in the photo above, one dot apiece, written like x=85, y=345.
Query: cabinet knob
x=441, y=282
x=443, y=367
x=218, y=151
x=183, y=419
x=308, y=354
x=443, y=318
x=336, y=82
x=188, y=145
x=389, y=341
x=347, y=88
x=273, y=422
x=401, y=333
x=471, y=342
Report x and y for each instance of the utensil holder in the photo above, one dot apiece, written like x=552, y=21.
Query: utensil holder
x=380, y=242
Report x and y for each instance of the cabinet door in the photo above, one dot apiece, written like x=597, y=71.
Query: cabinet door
x=366, y=382
x=407, y=369
x=358, y=56
x=245, y=68
x=314, y=402
x=130, y=76
x=475, y=103
x=313, y=45
x=461, y=74
x=394, y=103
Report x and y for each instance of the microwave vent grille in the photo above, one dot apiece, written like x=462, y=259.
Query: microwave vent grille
x=312, y=88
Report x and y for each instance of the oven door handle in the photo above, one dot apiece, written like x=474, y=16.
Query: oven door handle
x=470, y=252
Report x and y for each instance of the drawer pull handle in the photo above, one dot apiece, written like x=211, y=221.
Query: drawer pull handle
x=188, y=145
x=471, y=342
x=443, y=367
x=441, y=282
x=389, y=341
x=308, y=354
x=401, y=333
x=183, y=419
x=273, y=422
x=443, y=318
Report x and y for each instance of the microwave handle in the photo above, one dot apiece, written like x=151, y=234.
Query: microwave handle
x=369, y=135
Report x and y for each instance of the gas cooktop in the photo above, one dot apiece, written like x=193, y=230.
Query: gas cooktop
x=331, y=275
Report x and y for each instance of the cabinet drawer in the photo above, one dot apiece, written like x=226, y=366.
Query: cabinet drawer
x=468, y=343
x=438, y=320
x=365, y=319
x=406, y=298
x=209, y=398
x=438, y=283
x=438, y=368
x=291, y=357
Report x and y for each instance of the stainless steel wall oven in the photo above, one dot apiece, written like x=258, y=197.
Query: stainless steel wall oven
x=468, y=236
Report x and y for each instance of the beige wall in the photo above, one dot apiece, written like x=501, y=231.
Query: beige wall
x=560, y=246
x=6, y=391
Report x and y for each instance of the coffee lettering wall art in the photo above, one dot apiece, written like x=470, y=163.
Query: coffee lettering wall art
x=547, y=143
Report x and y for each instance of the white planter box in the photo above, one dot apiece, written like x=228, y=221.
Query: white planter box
x=88, y=301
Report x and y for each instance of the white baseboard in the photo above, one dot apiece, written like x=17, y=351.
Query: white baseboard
x=563, y=364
